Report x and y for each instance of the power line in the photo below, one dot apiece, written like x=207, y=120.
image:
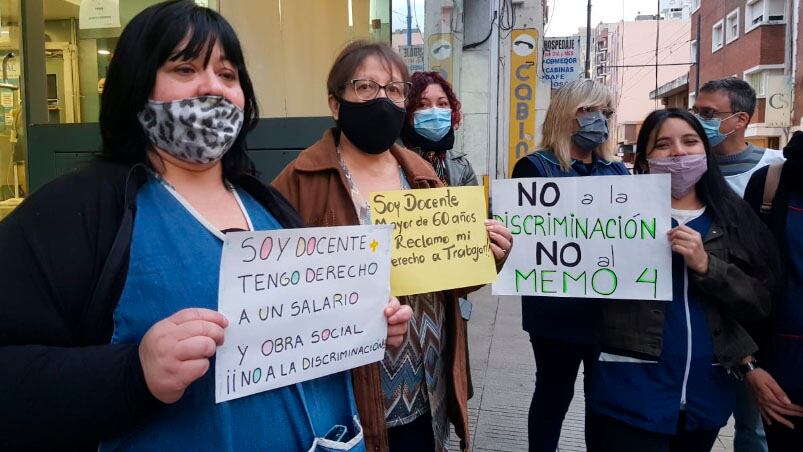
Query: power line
x=651, y=65
x=551, y=15
x=415, y=16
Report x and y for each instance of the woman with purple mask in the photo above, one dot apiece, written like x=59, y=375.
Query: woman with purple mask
x=661, y=382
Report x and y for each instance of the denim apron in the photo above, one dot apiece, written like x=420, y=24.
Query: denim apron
x=174, y=264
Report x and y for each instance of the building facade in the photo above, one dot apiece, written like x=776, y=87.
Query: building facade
x=635, y=58
x=745, y=39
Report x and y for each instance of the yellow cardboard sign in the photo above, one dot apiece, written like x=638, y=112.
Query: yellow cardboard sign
x=523, y=77
x=439, y=240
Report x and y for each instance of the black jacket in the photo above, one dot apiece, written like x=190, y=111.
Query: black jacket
x=63, y=262
x=738, y=296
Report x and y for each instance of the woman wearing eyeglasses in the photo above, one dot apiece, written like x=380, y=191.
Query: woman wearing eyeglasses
x=420, y=387
x=575, y=144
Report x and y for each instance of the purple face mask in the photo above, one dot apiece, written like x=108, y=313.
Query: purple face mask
x=686, y=170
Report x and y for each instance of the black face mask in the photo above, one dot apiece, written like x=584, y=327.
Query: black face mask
x=413, y=140
x=372, y=126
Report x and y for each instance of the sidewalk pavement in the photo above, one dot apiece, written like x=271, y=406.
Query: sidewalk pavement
x=503, y=372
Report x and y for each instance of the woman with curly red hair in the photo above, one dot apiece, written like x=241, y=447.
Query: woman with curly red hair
x=433, y=114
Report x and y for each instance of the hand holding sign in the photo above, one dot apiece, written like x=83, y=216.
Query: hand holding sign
x=176, y=351
x=398, y=321
x=501, y=240
x=689, y=243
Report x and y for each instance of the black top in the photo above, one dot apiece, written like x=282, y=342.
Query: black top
x=63, y=261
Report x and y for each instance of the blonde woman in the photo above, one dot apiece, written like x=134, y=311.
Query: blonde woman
x=575, y=143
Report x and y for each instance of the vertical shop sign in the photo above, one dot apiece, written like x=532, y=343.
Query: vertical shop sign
x=779, y=101
x=523, y=78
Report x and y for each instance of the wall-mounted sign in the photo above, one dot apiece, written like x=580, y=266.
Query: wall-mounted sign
x=779, y=101
x=562, y=60
x=440, y=50
x=99, y=14
x=413, y=56
x=523, y=78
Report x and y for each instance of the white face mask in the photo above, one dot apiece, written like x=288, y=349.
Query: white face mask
x=196, y=130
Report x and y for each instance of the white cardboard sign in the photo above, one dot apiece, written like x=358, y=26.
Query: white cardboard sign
x=586, y=237
x=301, y=304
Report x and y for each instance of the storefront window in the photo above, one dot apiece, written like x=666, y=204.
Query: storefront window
x=290, y=45
x=12, y=131
x=80, y=38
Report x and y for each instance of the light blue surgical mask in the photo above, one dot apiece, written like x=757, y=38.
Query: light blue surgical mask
x=711, y=127
x=433, y=123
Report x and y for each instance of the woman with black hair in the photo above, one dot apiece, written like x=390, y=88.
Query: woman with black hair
x=661, y=382
x=108, y=323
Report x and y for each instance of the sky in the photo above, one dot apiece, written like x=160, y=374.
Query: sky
x=566, y=16
x=399, y=13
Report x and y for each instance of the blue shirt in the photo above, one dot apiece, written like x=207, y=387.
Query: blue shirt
x=651, y=394
x=174, y=264
x=568, y=319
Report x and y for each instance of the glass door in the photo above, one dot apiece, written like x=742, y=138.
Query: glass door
x=13, y=156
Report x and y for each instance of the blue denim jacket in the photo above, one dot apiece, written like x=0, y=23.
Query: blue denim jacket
x=573, y=320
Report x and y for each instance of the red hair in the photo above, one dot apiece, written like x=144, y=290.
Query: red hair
x=420, y=82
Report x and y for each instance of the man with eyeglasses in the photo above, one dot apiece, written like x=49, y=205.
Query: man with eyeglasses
x=724, y=108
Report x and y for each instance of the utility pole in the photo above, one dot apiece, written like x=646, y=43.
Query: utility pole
x=588, y=41
x=409, y=25
x=657, y=40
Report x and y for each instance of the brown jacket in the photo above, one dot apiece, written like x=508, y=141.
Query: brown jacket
x=315, y=184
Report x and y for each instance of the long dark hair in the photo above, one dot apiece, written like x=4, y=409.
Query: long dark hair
x=147, y=42
x=726, y=207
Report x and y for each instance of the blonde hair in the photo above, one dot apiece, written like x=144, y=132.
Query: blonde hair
x=560, y=116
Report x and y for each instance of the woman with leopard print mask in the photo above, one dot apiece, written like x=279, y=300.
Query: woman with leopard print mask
x=110, y=324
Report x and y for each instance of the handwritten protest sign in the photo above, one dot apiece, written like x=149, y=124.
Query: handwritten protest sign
x=301, y=304
x=439, y=240
x=594, y=237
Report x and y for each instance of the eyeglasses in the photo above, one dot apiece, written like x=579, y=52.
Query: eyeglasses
x=369, y=89
x=607, y=112
x=709, y=113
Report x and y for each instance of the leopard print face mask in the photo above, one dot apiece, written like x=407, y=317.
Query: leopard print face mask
x=197, y=130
